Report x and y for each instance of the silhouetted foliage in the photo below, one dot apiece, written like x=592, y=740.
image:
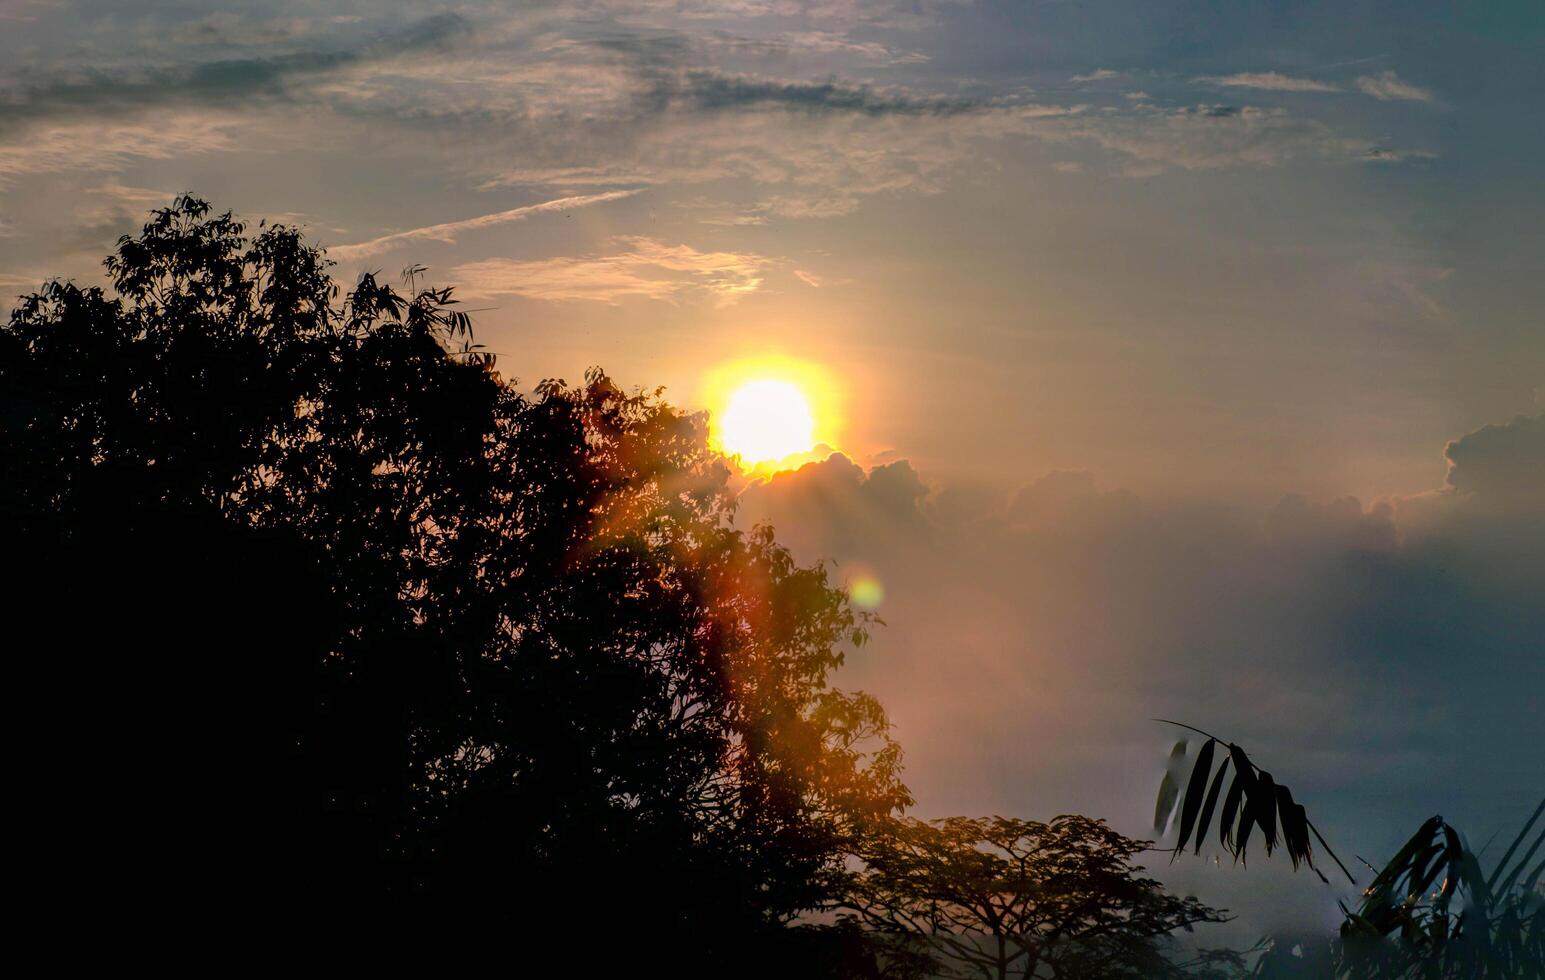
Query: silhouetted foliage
x=997, y=897
x=333, y=631
x=1254, y=799
x=1430, y=912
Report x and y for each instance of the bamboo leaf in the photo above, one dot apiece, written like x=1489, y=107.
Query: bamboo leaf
x=1211, y=804
x=1169, y=788
x=1295, y=827
x=1230, y=812
x=1263, y=807
x=1197, y=785
x=1242, y=836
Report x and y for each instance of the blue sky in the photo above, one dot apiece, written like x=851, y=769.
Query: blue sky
x=1103, y=285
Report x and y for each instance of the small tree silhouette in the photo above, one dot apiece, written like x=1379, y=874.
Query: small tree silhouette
x=997, y=898
x=338, y=631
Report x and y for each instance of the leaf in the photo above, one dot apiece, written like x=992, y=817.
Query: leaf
x=1211, y=804
x=1263, y=806
x=1169, y=788
x=1242, y=838
x=1424, y=870
x=1453, y=853
x=1295, y=827
x=1507, y=883
x=1231, y=812
x=1194, y=789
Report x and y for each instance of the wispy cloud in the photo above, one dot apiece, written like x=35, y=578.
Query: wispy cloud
x=710, y=90
x=255, y=77
x=1386, y=154
x=90, y=146
x=1269, y=81
x=1203, y=137
x=1387, y=85
x=448, y=231
x=1098, y=75
x=642, y=267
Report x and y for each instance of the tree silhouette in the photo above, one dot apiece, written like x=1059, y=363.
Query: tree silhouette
x=328, y=630
x=998, y=897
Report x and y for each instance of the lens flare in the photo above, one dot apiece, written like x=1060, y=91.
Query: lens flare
x=866, y=592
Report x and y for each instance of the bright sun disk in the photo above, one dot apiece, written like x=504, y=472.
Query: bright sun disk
x=767, y=420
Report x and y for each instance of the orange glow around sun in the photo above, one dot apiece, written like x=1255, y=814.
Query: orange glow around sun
x=770, y=413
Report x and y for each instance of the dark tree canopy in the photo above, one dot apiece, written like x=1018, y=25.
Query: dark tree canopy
x=997, y=897
x=324, y=626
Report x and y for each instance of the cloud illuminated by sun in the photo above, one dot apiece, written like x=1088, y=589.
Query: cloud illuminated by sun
x=771, y=413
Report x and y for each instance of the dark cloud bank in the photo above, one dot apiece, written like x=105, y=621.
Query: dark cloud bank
x=1385, y=659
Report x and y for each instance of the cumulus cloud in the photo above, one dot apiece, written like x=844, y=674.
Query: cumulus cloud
x=643, y=267
x=1269, y=81
x=1387, y=85
x=838, y=506
x=1385, y=659
x=1065, y=501
x=1501, y=466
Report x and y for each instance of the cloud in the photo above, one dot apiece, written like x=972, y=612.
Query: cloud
x=1387, y=154
x=644, y=268
x=711, y=91
x=1202, y=137
x=800, y=163
x=836, y=509
x=270, y=75
x=448, y=231
x=1501, y=466
x=804, y=45
x=1387, y=85
x=106, y=113
x=1373, y=652
x=1269, y=81
x=560, y=104
x=1065, y=501
x=1098, y=75
x=94, y=146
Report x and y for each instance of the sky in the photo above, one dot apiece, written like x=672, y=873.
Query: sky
x=1187, y=359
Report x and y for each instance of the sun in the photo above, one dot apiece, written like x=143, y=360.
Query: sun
x=767, y=420
x=770, y=413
